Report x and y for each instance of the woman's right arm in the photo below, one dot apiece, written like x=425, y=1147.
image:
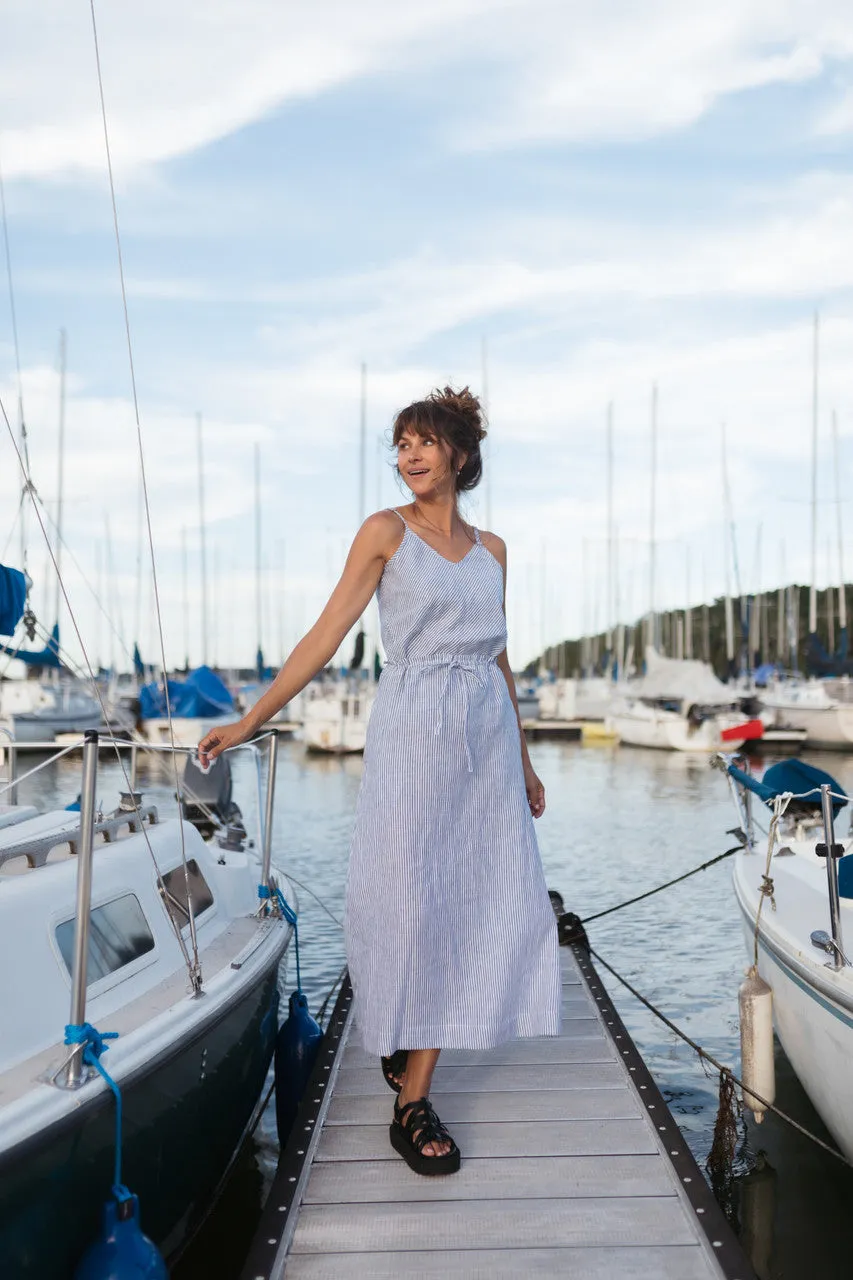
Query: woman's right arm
x=372, y=546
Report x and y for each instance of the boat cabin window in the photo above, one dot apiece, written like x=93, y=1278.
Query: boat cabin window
x=175, y=886
x=118, y=934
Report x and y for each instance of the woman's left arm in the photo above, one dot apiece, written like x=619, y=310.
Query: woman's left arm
x=532, y=783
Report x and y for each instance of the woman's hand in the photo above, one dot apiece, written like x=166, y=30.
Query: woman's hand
x=220, y=739
x=535, y=792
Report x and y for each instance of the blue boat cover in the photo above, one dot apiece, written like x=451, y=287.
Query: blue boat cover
x=790, y=775
x=821, y=663
x=46, y=657
x=13, y=596
x=200, y=696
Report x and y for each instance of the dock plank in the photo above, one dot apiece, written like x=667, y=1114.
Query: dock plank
x=675, y=1262
x=483, y=1224
x=571, y=1046
x=489, y=1076
x=521, y=1177
x=505, y=1138
x=529, y=1105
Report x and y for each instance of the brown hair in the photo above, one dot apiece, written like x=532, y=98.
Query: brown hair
x=454, y=417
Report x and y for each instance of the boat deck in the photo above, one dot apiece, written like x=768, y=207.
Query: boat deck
x=572, y=1166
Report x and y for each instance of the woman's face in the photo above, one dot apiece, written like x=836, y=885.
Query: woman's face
x=425, y=463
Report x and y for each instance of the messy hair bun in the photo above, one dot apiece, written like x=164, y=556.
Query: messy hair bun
x=456, y=417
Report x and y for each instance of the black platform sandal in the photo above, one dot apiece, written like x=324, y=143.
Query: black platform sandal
x=395, y=1066
x=415, y=1126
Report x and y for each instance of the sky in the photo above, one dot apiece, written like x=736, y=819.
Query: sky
x=560, y=205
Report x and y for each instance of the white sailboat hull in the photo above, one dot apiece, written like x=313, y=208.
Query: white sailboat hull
x=640, y=726
x=812, y=1004
x=336, y=723
x=827, y=727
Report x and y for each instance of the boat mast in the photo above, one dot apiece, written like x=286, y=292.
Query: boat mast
x=652, y=633
x=202, y=544
x=484, y=402
x=185, y=595
x=22, y=426
x=780, y=605
x=362, y=475
x=755, y=615
x=706, y=615
x=842, y=601
x=813, y=587
x=727, y=540
x=688, y=612
x=830, y=604
x=258, y=595
x=609, y=619
x=60, y=477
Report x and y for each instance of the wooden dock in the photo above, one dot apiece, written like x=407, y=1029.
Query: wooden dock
x=572, y=1166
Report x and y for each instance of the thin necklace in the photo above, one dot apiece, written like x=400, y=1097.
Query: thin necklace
x=430, y=525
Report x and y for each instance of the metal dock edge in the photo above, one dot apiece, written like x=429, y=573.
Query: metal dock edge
x=571, y=1165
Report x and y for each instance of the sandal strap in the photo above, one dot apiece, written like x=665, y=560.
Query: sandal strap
x=396, y=1062
x=421, y=1125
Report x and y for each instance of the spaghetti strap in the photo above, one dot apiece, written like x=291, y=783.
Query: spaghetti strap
x=397, y=513
x=476, y=533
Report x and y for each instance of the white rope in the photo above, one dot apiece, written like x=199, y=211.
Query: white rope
x=196, y=974
x=765, y=889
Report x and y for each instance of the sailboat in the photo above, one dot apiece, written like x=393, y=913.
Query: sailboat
x=168, y=946
x=801, y=942
x=822, y=707
x=40, y=710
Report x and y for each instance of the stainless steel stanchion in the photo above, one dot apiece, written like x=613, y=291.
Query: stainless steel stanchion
x=73, y=1073
x=830, y=850
x=272, y=764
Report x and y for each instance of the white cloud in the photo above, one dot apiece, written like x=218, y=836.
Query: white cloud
x=178, y=77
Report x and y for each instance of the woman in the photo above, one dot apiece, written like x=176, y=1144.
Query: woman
x=450, y=936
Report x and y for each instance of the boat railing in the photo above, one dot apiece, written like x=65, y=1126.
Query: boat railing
x=831, y=851
x=74, y=1072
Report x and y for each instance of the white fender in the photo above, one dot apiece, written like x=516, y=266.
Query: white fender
x=755, y=1001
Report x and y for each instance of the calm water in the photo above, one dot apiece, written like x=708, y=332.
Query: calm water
x=617, y=822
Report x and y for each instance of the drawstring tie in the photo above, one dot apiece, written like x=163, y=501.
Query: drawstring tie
x=471, y=668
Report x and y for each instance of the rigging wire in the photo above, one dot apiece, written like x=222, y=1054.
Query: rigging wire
x=705, y=1056
x=196, y=976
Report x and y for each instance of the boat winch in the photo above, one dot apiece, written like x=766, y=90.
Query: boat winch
x=758, y=1070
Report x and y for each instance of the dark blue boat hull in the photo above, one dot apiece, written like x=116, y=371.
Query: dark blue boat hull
x=183, y=1120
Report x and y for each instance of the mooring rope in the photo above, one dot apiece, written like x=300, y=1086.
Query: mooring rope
x=660, y=888
x=718, y=1066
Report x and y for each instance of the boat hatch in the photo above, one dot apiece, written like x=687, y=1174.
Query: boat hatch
x=118, y=934
x=174, y=892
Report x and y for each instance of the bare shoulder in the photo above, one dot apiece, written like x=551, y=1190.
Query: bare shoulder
x=496, y=545
x=381, y=533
